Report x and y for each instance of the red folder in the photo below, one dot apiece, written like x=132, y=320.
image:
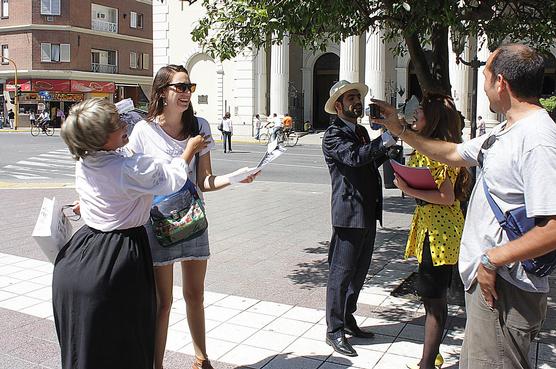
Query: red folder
x=419, y=178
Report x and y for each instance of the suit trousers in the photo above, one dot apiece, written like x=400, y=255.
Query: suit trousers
x=349, y=258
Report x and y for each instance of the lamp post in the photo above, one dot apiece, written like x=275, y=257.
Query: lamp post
x=475, y=64
x=16, y=97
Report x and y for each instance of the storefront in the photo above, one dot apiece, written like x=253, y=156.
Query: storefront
x=58, y=95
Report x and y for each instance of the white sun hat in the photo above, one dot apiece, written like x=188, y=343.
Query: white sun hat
x=339, y=89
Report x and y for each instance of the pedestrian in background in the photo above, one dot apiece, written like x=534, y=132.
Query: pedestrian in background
x=353, y=161
x=437, y=225
x=32, y=117
x=163, y=135
x=227, y=132
x=103, y=290
x=11, y=118
x=481, y=125
x=257, y=126
x=505, y=304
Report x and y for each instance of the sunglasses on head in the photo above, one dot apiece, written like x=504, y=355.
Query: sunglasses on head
x=487, y=144
x=183, y=87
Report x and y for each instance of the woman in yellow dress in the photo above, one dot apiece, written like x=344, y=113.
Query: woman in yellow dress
x=435, y=233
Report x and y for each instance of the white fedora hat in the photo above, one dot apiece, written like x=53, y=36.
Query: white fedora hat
x=339, y=89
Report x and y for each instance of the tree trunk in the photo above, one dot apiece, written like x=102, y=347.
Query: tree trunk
x=433, y=78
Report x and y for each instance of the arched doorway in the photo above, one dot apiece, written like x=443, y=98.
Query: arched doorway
x=325, y=73
x=202, y=70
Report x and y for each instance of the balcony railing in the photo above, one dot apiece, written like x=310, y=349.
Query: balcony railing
x=104, y=68
x=104, y=26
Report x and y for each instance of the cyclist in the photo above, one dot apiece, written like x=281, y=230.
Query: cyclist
x=277, y=127
x=44, y=118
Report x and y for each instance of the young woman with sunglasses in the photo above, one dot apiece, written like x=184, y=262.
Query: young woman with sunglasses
x=167, y=129
x=436, y=229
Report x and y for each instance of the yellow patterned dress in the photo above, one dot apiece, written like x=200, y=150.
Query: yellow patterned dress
x=443, y=223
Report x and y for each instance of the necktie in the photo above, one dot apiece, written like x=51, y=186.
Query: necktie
x=361, y=133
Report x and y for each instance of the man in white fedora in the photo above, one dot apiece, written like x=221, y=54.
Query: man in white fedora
x=353, y=161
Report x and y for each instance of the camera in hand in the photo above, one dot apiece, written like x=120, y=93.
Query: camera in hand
x=374, y=111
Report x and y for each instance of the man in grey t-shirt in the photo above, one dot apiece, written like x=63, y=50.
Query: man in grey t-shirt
x=505, y=305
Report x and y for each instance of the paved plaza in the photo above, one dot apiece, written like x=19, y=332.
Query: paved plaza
x=265, y=287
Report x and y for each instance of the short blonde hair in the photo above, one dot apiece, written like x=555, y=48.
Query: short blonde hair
x=88, y=125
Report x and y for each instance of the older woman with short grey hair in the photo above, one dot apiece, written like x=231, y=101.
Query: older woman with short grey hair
x=103, y=286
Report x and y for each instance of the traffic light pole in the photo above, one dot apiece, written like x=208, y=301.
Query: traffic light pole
x=16, y=97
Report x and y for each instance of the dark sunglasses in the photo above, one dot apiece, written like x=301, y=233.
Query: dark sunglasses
x=183, y=87
x=485, y=146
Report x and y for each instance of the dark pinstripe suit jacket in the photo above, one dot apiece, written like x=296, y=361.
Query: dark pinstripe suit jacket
x=356, y=182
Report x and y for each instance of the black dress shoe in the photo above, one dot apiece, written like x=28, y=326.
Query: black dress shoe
x=341, y=346
x=355, y=331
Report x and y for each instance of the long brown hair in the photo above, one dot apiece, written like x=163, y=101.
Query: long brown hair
x=444, y=122
x=156, y=105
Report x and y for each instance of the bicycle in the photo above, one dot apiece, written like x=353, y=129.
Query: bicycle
x=264, y=137
x=43, y=127
x=290, y=137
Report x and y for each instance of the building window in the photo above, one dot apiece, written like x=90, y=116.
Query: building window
x=5, y=9
x=104, y=61
x=55, y=53
x=145, y=61
x=104, y=18
x=133, y=61
x=136, y=20
x=5, y=54
x=50, y=7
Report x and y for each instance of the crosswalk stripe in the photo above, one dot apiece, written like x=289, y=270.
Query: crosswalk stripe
x=44, y=166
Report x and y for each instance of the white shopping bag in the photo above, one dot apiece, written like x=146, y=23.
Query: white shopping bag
x=52, y=230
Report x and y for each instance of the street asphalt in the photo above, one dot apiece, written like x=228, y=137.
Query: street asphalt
x=265, y=283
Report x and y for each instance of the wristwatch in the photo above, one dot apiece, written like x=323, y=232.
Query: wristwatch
x=487, y=263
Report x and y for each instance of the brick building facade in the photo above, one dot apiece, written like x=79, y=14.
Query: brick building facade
x=68, y=50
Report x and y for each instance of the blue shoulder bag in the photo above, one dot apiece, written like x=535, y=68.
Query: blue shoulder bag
x=516, y=223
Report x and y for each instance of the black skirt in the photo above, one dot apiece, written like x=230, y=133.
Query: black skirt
x=104, y=300
x=433, y=281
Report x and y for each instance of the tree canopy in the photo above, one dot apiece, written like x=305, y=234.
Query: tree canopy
x=231, y=26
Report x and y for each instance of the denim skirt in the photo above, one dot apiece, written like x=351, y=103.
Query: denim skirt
x=194, y=249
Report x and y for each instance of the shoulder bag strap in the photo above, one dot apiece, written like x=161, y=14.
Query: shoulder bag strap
x=494, y=206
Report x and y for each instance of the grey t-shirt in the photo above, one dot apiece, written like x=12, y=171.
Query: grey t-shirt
x=519, y=168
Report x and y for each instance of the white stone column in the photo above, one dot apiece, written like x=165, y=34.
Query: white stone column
x=220, y=87
x=375, y=66
x=349, y=59
x=279, y=77
x=260, y=80
x=244, y=92
x=483, y=105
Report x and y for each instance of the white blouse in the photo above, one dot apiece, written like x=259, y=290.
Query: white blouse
x=150, y=138
x=116, y=190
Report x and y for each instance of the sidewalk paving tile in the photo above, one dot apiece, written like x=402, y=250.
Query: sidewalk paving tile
x=364, y=359
x=236, y=302
x=218, y=348
x=270, y=308
x=290, y=361
x=304, y=314
x=254, y=320
x=270, y=340
x=288, y=326
x=232, y=332
x=314, y=349
x=406, y=347
x=250, y=356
